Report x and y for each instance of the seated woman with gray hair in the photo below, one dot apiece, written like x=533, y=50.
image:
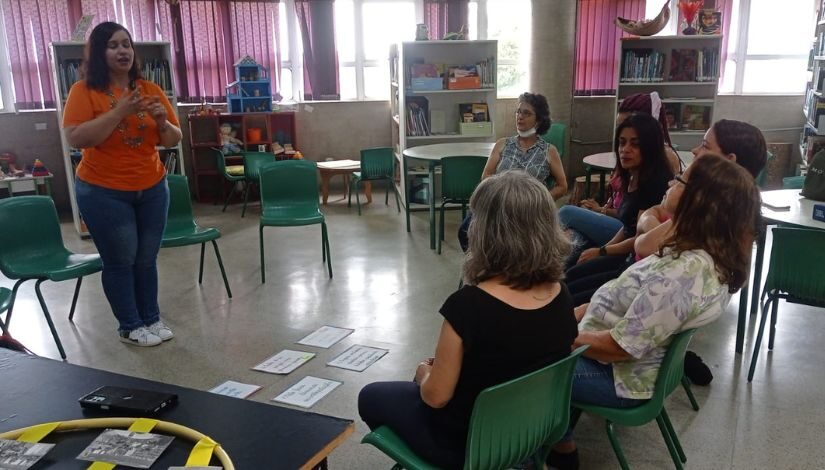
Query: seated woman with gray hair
x=513, y=316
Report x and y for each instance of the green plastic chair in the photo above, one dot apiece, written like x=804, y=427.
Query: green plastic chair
x=793, y=182
x=252, y=164
x=671, y=375
x=556, y=136
x=229, y=173
x=760, y=178
x=5, y=303
x=511, y=422
x=377, y=164
x=795, y=273
x=289, y=198
x=32, y=248
x=182, y=230
x=459, y=178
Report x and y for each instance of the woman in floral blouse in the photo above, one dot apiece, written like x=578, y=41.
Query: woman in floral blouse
x=630, y=321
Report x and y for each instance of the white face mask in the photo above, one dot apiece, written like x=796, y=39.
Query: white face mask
x=528, y=133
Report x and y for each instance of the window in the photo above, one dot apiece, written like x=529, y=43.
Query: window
x=364, y=31
x=507, y=21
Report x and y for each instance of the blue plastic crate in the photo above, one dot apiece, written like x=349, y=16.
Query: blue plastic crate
x=426, y=84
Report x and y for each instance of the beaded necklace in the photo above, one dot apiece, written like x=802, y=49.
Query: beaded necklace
x=130, y=141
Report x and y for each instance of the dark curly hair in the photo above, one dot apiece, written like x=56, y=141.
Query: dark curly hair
x=539, y=104
x=96, y=71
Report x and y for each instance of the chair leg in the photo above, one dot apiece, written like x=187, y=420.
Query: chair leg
x=668, y=442
x=200, y=269
x=49, y=318
x=263, y=268
x=325, y=240
x=245, y=198
x=689, y=392
x=357, y=194
x=349, y=192
x=229, y=196
x=673, y=437
x=223, y=271
x=440, y=231
x=397, y=197
x=617, y=448
x=387, y=195
x=323, y=246
x=74, y=298
x=759, y=337
x=13, y=297
x=772, y=335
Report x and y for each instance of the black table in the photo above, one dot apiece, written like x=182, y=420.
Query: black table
x=255, y=435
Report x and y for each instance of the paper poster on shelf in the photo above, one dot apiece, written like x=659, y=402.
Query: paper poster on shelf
x=284, y=362
x=358, y=358
x=307, y=392
x=325, y=336
x=230, y=388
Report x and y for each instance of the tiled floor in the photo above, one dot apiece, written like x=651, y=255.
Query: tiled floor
x=388, y=286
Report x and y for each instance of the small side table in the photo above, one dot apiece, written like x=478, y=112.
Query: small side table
x=340, y=167
x=29, y=182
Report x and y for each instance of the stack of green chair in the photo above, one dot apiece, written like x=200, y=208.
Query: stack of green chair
x=289, y=198
x=182, y=230
x=233, y=174
x=511, y=422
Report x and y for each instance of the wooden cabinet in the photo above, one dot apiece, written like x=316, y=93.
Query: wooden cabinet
x=684, y=70
x=431, y=92
x=268, y=132
x=67, y=57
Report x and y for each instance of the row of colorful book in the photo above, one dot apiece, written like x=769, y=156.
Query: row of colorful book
x=433, y=77
x=68, y=72
x=686, y=65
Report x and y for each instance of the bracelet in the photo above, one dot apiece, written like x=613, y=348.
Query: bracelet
x=603, y=250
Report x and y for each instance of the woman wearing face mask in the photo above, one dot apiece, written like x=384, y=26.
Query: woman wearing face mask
x=526, y=151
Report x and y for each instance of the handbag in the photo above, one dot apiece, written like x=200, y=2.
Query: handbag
x=814, y=187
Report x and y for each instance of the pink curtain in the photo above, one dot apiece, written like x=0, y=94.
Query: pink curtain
x=215, y=35
x=445, y=16
x=597, y=42
x=316, y=20
x=31, y=26
x=138, y=16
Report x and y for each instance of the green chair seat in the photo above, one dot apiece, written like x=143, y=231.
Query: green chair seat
x=182, y=230
x=512, y=421
x=32, y=249
x=234, y=170
x=289, y=198
x=671, y=375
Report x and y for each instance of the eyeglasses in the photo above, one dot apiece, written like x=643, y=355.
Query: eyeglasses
x=524, y=113
x=679, y=179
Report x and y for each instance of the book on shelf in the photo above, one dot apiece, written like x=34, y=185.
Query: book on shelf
x=487, y=72
x=154, y=70
x=473, y=112
x=683, y=65
x=707, y=65
x=673, y=113
x=695, y=117
x=813, y=144
x=417, y=116
x=424, y=71
x=642, y=65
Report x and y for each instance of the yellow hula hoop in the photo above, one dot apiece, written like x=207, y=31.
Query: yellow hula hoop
x=161, y=426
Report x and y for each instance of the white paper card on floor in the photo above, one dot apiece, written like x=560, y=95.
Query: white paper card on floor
x=307, y=392
x=122, y=447
x=284, y=362
x=18, y=455
x=231, y=388
x=358, y=357
x=325, y=336
x=195, y=468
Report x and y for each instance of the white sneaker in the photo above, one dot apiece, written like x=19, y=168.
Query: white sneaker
x=160, y=330
x=140, y=337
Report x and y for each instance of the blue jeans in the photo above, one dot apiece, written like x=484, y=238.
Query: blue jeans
x=593, y=385
x=596, y=228
x=127, y=228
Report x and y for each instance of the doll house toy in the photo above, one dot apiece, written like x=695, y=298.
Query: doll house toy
x=251, y=92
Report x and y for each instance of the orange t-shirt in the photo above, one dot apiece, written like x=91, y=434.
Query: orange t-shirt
x=113, y=163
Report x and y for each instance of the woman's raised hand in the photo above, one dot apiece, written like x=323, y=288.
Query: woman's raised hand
x=129, y=103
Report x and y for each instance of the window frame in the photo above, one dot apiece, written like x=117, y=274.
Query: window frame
x=6, y=90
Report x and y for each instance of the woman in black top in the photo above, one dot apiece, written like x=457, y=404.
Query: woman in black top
x=645, y=173
x=512, y=317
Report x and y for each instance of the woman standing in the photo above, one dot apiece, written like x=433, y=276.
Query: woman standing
x=119, y=119
x=526, y=151
x=512, y=317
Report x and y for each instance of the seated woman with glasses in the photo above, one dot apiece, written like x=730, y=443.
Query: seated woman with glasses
x=688, y=283
x=526, y=151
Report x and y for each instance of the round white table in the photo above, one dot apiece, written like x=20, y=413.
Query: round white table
x=796, y=211
x=606, y=161
x=433, y=154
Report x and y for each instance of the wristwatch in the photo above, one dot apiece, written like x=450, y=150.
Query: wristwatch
x=603, y=250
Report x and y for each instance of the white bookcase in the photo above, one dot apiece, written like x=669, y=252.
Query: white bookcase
x=684, y=70
x=813, y=133
x=66, y=57
x=443, y=116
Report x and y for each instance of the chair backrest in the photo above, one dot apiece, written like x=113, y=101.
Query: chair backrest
x=252, y=163
x=556, y=136
x=220, y=161
x=798, y=264
x=762, y=176
x=512, y=420
x=672, y=368
x=793, y=182
x=460, y=176
x=30, y=228
x=289, y=183
x=180, y=204
x=377, y=162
